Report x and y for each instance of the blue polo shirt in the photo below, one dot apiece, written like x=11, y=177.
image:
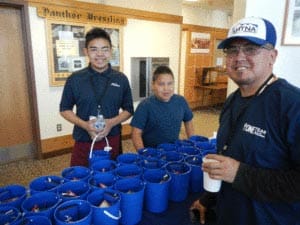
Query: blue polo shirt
x=83, y=88
x=161, y=121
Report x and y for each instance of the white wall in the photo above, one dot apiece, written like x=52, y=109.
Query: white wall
x=287, y=64
x=182, y=62
x=153, y=39
x=48, y=98
x=204, y=17
x=160, y=6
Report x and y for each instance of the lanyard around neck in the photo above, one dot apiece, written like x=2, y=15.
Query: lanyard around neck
x=233, y=122
x=99, y=97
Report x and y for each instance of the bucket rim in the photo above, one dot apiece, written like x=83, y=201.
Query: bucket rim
x=75, y=202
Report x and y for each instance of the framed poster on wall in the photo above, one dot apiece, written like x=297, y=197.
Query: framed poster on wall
x=291, y=30
x=66, y=42
x=200, y=42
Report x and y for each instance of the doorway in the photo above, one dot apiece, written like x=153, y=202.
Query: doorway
x=16, y=118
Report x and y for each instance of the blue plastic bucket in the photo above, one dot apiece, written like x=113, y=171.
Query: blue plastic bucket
x=76, y=173
x=196, y=177
x=102, y=180
x=152, y=163
x=98, y=155
x=204, y=145
x=42, y=203
x=207, y=148
x=204, y=152
x=9, y=215
x=167, y=147
x=104, y=166
x=179, y=185
x=12, y=195
x=45, y=183
x=105, y=207
x=189, y=150
x=75, y=212
x=132, y=195
x=73, y=190
x=213, y=141
x=149, y=152
x=172, y=157
x=180, y=143
x=34, y=220
x=157, y=190
x=198, y=138
x=128, y=171
x=128, y=158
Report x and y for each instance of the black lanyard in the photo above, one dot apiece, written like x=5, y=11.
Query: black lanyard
x=233, y=122
x=99, y=97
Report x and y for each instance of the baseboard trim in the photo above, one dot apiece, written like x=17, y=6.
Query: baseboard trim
x=56, y=153
x=63, y=144
x=16, y=153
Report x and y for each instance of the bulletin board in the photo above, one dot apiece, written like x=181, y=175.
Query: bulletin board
x=66, y=42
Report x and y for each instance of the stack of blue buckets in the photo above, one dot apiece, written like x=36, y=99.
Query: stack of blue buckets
x=110, y=192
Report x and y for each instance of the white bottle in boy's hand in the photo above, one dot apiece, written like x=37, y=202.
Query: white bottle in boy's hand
x=100, y=122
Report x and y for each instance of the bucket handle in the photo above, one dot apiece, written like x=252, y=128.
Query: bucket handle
x=5, y=193
x=106, y=148
x=25, y=221
x=112, y=216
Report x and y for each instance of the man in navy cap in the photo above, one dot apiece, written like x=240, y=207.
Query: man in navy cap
x=258, y=139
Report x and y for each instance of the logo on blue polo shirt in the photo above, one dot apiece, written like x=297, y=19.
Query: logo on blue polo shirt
x=115, y=84
x=254, y=130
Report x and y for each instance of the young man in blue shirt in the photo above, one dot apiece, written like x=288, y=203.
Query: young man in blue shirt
x=158, y=118
x=96, y=90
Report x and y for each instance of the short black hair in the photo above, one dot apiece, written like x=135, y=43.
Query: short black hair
x=161, y=70
x=96, y=33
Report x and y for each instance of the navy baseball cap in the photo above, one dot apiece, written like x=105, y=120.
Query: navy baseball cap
x=254, y=29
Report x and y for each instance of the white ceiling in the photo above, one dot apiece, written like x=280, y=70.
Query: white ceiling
x=226, y=5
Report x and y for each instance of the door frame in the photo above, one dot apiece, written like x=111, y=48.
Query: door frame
x=24, y=12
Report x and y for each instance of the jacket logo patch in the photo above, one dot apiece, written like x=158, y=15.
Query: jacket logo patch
x=254, y=130
x=115, y=84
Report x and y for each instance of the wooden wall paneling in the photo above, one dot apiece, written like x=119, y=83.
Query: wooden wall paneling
x=191, y=60
x=220, y=33
x=189, y=71
x=207, y=61
x=190, y=78
x=198, y=97
x=207, y=98
x=198, y=73
x=219, y=97
x=190, y=94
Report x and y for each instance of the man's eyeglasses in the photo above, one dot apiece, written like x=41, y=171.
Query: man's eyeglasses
x=103, y=50
x=248, y=50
